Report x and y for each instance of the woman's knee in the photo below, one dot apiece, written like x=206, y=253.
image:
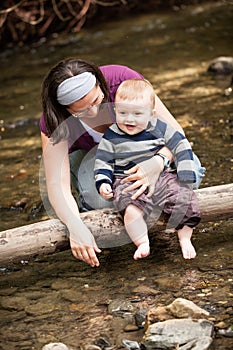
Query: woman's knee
x=82, y=177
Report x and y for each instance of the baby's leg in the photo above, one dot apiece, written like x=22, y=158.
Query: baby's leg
x=187, y=248
x=136, y=227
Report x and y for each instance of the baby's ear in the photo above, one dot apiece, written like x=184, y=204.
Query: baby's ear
x=153, y=112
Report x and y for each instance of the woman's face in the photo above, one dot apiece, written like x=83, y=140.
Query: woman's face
x=88, y=106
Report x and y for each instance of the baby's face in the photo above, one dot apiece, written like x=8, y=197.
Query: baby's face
x=133, y=116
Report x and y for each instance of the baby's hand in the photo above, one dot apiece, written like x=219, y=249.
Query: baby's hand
x=106, y=191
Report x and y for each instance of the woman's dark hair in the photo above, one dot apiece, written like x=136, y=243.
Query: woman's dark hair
x=54, y=112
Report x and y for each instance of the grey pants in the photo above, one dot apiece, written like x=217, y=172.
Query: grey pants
x=82, y=180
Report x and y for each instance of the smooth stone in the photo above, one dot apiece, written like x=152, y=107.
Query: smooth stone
x=55, y=346
x=221, y=65
x=131, y=328
x=119, y=307
x=171, y=333
x=182, y=308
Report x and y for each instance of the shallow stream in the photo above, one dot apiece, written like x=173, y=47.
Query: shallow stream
x=56, y=298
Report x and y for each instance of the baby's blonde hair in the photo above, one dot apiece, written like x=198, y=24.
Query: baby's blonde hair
x=133, y=89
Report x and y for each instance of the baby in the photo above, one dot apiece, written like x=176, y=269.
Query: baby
x=137, y=136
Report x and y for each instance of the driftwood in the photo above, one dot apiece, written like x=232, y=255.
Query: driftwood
x=45, y=237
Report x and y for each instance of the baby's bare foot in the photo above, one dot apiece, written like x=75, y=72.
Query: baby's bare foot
x=142, y=251
x=188, y=249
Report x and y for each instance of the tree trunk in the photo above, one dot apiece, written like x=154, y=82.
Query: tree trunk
x=216, y=203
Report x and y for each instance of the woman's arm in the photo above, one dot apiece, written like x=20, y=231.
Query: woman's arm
x=57, y=171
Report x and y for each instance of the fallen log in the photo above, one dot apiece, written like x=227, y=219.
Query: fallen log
x=46, y=237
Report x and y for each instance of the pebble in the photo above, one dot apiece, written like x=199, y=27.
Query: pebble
x=119, y=307
x=130, y=328
x=103, y=343
x=140, y=317
x=226, y=332
x=221, y=325
x=130, y=344
x=92, y=347
x=55, y=346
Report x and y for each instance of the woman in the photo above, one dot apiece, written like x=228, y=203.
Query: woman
x=71, y=126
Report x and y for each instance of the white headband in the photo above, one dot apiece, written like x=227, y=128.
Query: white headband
x=74, y=88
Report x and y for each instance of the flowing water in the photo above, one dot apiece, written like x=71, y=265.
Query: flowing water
x=56, y=298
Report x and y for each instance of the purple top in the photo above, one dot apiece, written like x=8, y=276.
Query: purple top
x=79, y=137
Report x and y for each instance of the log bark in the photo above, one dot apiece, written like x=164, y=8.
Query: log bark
x=46, y=237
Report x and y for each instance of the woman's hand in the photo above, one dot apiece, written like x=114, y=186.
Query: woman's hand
x=83, y=244
x=144, y=175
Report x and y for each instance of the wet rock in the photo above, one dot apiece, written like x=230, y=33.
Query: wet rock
x=185, y=333
x=26, y=345
x=130, y=328
x=71, y=295
x=55, y=346
x=34, y=295
x=144, y=290
x=228, y=90
x=103, y=343
x=202, y=343
x=14, y=302
x=140, y=317
x=92, y=347
x=226, y=332
x=61, y=284
x=23, y=201
x=129, y=317
x=182, y=308
x=10, y=316
x=130, y=344
x=8, y=291
x=221, y=325
x=118, y=324
x=40, y=309
x=209, y=308
x=80, y=307
x=119, y=307
x=179, y=308
x=158, y=314
x=36, y=211
x=221, y=65
x=45, y=305
x=164, y=283
x=18, y=336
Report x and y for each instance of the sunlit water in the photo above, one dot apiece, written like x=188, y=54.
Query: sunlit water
x=172, y=50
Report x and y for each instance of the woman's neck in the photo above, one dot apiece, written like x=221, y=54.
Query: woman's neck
x=100, y=122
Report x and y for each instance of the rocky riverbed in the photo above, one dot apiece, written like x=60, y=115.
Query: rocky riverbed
x=59, y=299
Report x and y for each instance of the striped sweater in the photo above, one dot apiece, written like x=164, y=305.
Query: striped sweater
x=119, y=151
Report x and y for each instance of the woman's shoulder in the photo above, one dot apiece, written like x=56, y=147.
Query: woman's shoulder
x=115, y=74
x=119, y=71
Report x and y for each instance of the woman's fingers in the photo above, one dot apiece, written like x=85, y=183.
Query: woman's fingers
x=132, y=170
x=134, y=186
x=130, y=178
x=86, y=254
x=134, y=174
x=144, y=176
x=90, y=257
x=151, y=189
x=139, y=192
x=83, y=246
x=137, y=185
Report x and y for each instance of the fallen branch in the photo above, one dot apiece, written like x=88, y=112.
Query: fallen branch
x=216, y=203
